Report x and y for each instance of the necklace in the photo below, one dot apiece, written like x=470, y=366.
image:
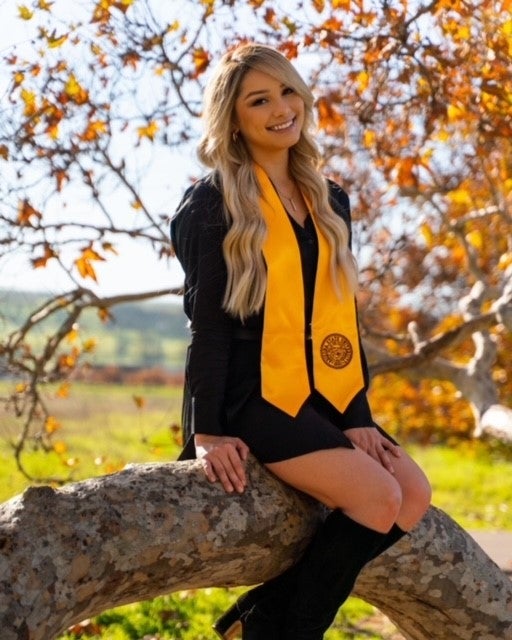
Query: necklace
x=289, y=198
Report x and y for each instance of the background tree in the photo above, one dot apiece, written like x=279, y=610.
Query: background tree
x=414, y=108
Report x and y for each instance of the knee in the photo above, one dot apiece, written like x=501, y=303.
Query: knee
x=386, y=509
x=416, y=500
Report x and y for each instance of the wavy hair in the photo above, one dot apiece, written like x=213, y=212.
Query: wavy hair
x=220, y=150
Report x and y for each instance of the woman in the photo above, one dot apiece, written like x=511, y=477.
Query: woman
x=275, y=365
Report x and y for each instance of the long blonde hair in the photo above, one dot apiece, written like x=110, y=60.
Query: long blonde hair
x=220, y=150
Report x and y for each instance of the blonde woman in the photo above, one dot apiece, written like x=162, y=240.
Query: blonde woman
x=275, y=365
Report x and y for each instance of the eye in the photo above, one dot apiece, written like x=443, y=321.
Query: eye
x=258, y=101
x=288, y=90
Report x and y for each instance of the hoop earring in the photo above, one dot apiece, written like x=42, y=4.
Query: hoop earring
x=234, y=135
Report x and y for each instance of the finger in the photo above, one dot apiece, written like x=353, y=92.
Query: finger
x=237, y=469
x=230, y=477
x=242, y=448
x=384, y=459
x=208, y=470
x=393, y=449
x=223, y=477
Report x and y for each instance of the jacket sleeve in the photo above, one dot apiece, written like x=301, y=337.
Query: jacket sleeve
x=358, y=412
x=197, y=232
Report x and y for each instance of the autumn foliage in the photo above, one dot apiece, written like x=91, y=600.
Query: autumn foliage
x=414, y=107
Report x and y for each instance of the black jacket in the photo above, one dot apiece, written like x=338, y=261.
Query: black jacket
x=197, y=231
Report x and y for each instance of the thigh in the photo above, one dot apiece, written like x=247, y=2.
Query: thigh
x=347, y=479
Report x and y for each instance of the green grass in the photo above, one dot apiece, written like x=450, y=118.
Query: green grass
x=102, y=430
x=470, y=482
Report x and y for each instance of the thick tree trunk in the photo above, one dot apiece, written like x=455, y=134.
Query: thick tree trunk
x=151, y=529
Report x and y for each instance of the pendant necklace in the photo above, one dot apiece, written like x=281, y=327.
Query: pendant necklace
x=289, y=198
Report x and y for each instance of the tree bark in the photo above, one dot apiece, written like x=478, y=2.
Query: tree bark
x=151, y=529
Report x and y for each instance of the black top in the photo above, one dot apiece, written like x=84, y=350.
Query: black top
x=197, y=232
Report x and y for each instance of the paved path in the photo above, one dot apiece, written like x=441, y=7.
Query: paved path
x=497, y=545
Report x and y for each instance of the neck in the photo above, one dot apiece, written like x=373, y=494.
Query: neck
x=276, y=167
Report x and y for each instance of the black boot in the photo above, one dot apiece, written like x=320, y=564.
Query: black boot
x=258, y=613
x=270, y=601
x=327, y=575
x=392, y=537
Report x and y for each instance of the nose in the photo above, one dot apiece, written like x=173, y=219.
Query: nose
x=281, y=107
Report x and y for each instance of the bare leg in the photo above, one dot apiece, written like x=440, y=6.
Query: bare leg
x=346, y=479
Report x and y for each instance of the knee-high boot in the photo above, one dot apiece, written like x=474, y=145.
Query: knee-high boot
x=262, y=612
x=259, y=613
x=392, y=537
x=327, y=575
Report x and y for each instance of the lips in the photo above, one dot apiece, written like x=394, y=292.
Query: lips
x=283, y=126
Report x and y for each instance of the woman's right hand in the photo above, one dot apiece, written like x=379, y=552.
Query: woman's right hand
x=223, y=459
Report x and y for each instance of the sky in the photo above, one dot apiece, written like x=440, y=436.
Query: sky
x=136, y=268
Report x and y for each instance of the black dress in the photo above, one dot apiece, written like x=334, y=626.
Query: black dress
x=223, y=379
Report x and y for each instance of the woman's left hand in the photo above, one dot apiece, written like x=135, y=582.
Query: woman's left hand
x=372, y=442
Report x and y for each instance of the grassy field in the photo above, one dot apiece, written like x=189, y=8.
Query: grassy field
x=104, y=427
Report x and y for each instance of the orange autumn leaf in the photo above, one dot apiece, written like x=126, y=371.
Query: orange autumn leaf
x=319, y=5
x=475, y=239
x=201, y=59
x=63, y=390
x=131, y=59
x=90, y=345
x=74, y=91
x=123, y=5
x=30, y=102
x=68, y=360
x=84, y=263
x=95, y=128
x=72, y=336
x=505, y=261
x=140, y=401
x=101, y=11
x=18, y=78
x=55, y=41
x=60, y=447
x=60, y=176
x=51, y=425
x=328, y=116
x=86, y=269
x=270, y=17
x=41, y=261
x=26, y=212
x=148, y=131
x=4, y=152
x=406, y=177
x=24, y=12
x=104, y=314
x=108, y=246
x=427, y=234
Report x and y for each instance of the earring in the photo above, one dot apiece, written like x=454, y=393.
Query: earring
x=234, y=135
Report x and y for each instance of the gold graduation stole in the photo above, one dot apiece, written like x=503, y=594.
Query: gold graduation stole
x=337, y=369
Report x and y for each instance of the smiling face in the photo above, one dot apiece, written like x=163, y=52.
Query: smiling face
x=268, y=114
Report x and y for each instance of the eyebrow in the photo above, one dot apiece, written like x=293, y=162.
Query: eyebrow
x=259, y=92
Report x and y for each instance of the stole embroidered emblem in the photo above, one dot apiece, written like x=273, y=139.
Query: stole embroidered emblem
x=337, y=369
